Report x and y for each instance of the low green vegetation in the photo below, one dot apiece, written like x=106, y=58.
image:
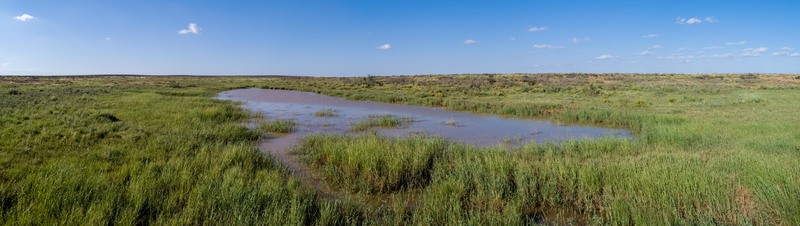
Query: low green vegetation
x=278, y=126
x=326, y=113
x=397, y=165
x=385, y=121
x=707, y=149
x=128, y=150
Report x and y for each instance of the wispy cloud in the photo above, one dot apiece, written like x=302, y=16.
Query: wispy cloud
x=647, y=53
x=711, y=20
x=24, y=17
x=690, y=21
x=712, y=47
x=605, y=57
x=650, y=36
x=191, y=29
x=576, y=40
x=513, y=38
x=739, y=43
x=535, y=28
x=786, y=51
x=726, y=55
x=384, y=47
x=656, y=47
x=753, y=52
x=545, y=46
x=469, y=42
x=678, y=57
x=683, y=49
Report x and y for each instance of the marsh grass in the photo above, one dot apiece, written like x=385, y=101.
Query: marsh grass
x=280, y=126
x=703, y=152
x=580, y=181
x=707, y=150
x=327, y=113
x=400, y=164
x=385, y=121
x=83, y=153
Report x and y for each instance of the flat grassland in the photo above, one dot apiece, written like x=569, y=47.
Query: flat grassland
x=707, y=149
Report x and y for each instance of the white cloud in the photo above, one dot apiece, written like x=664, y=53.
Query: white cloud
x=191, y=29
x=683, y=49
x=781, y=53
x=753, y=52
x=384, y=47
x=646, y=53
x=605, y=57
x=535, y=29
x=693, y=21
x=685, y=58
x=739, y=43
x=712, y=47
x=711, y=20
x=576, y=40
x=545, y=46
x=469, y=42
x=786, y=51
x=513, y=38
x=108, y=38
x=657, y=47
x=24, y=17
x=650, y=36
x=727, y=55
x=681, y=20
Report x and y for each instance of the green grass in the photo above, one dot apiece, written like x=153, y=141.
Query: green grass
x=81, y=151
x=327, y=113
x=708, y=149
x=278, y=126
x=385, y=121
x=399, y=164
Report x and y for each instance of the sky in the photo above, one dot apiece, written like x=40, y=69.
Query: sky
x=361, y=37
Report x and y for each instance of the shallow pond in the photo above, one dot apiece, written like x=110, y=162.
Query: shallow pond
x=475, y=129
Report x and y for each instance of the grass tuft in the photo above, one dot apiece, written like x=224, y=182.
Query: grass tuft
x=327, y=113
x=278, y=126
x=385, y=121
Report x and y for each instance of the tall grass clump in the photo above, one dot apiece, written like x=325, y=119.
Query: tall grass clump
x=278, y=126
x=380, y=121
x=373, y=164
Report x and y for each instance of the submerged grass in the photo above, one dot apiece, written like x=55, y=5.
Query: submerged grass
x=708, y=149
x=327, y=113
x=385, y=121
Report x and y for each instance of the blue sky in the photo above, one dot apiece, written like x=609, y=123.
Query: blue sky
x=354, y=38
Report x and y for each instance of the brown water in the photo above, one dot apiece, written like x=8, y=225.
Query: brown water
x=475, y=129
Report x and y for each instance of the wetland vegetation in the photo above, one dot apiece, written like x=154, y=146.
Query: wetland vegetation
x=386, y=121
x=707, y=149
